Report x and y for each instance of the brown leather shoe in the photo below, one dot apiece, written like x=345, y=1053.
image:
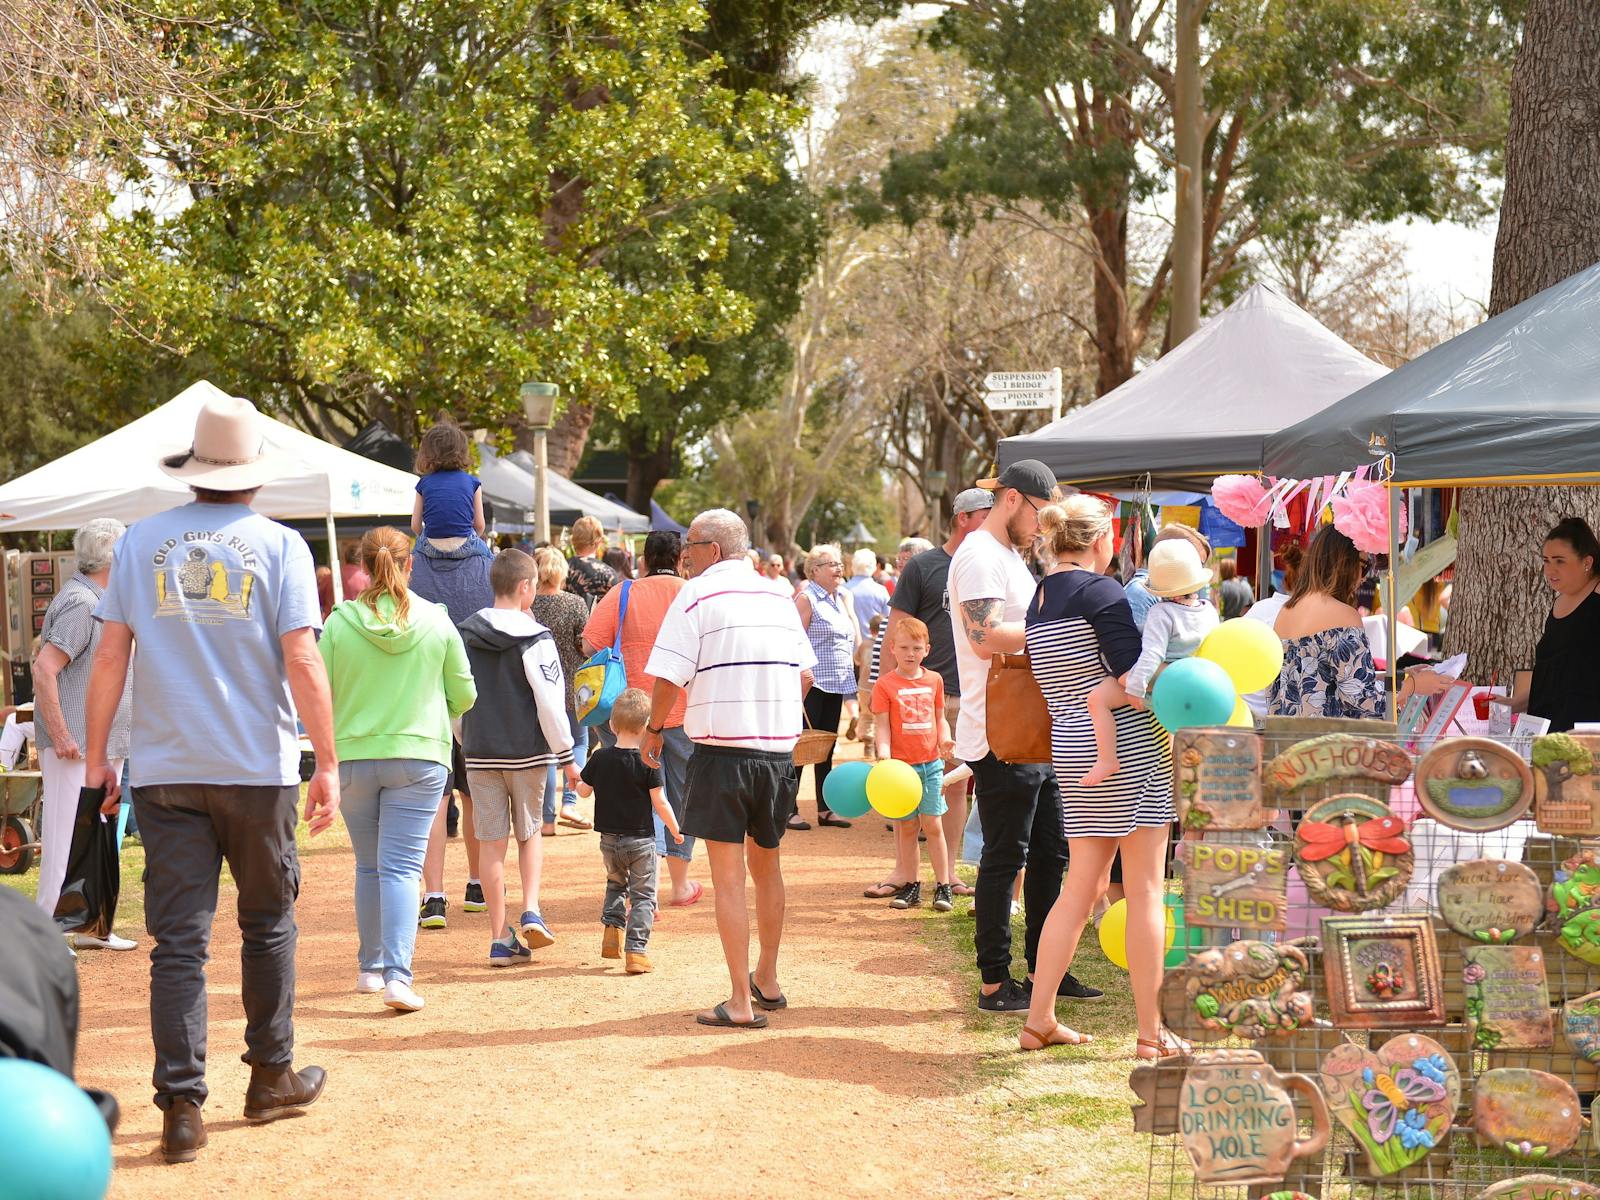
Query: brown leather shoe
x=280, y=1091
x=183, y=1132
x=638, y=964
x=611, y=942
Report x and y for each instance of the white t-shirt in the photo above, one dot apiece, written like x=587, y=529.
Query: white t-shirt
x=983, y=569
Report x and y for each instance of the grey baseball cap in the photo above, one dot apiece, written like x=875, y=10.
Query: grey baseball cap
x=972, y=500
x=1028, y=475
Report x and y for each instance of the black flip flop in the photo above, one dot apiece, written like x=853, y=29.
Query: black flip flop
x=779, y=1001
x=721, y=1020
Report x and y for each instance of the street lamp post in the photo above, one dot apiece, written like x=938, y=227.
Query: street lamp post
x=539, y=407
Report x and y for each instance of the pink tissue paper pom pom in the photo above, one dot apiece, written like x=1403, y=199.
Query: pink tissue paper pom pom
x=1362, y=515
x=1241, y=499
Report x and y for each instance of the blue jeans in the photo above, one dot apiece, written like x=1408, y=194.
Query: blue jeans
x=553, y=784
x=388, y=806
x=675, y=750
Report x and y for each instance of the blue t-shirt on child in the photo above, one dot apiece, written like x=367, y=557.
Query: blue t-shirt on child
x=447, y=503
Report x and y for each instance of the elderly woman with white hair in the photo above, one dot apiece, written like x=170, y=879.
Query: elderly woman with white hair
x=60, y=689
x=829, y=619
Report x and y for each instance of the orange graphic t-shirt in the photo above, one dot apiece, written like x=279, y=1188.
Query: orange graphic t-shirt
x=914, y=707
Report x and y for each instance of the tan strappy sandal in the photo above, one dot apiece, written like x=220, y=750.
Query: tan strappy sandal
x=1168, y=1045
x=1051, y=1039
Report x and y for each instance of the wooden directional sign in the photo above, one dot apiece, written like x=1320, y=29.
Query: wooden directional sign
x=1015, y=390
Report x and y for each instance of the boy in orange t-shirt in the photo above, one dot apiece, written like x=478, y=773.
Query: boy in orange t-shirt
x=916, y=732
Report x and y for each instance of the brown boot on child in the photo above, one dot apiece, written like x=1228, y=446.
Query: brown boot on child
x=638, y=964
x=611, y=942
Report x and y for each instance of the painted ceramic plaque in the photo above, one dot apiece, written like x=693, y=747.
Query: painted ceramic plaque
x=1580, y=1021
x=1490, y=900
x=1397, y=1101
x=1507, y=999
x=1218, y=778
x=1541, y=1187
x=1336, y=756
x=1227, y=886
x=1474, y=784
x=1526, y=1113
x=1566, y=787
x=1353, y=853
x=1574, y=902
x=1383, y=972
x=1247, y=989
x=1238, y=1120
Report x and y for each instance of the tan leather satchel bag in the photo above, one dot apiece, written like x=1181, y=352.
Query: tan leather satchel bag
x=1016, y=719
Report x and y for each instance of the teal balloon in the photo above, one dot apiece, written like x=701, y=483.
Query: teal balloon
x=1184, y=938
x=56, y=1145
x=1193, y=691
x=846, y=789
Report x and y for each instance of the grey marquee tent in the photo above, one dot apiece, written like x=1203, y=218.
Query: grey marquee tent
x=1206, y=408
x=1513, y=400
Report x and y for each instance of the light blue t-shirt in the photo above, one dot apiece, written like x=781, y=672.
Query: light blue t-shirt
x=208, y=589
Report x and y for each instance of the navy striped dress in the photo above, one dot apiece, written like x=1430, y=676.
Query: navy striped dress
x=1080, y=630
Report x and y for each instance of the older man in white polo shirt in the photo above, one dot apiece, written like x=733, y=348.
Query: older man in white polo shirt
x=733, y=640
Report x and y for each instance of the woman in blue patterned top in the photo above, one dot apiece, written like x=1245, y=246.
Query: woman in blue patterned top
x=829, y=615
x=1080, y=630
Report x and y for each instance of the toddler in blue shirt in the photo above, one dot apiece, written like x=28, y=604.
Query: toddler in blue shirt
x=448, y=513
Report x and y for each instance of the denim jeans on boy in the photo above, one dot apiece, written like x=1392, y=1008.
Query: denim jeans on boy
x=675, y=750
x=554, y=785
x=388, y=806
x=190, y=830
x=630, y=888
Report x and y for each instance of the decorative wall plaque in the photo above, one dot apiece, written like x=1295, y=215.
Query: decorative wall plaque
x=1397, y=1101
x=1474, y=784
x=1227, y=886
x=1530, y=1114
x=1383, y=972
x=1580, y=1021
x=1566, y=787
x=1336, y=756
x=1490, y=899
x=1218, y=778
x=1247, y=989
x=1238, y=1120
x=1507, y=999
x=1353, y=853
x=1575, y=904
x=1541, y=1187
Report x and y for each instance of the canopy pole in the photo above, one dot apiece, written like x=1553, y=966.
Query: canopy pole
x=1264, y=560
x=1392, y=613
x=333, y=562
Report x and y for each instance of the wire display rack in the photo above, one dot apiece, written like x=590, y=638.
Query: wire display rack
x=1457, y=1168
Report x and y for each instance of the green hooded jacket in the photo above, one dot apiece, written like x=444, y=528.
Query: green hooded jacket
x=395, y=688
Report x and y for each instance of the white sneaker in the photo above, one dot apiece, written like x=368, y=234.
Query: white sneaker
x=368, y=982
x=399, y=996
x=82, y=941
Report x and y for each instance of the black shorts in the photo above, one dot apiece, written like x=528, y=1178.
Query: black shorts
x=457, y=779
x=734, y=793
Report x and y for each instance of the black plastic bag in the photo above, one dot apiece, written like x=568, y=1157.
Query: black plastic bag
x=88, y=902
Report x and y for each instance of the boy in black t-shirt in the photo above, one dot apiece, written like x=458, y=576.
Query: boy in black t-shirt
x=625, y=791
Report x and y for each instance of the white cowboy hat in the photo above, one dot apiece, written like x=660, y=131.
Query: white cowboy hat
x=230, y=451
x=1175, y=569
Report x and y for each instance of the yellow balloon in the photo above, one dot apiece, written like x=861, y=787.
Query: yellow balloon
x=1249, y=651
x=1114, y=933
x=894, y=789
x=1242, y=716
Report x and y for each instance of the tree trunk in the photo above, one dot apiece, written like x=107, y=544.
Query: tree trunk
x=1549, y=229
x=1188, y=129
x=1114, y=348
x=568, y=437
x=649, y=462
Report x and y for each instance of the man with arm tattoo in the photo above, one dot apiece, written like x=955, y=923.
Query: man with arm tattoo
x=1019, y=807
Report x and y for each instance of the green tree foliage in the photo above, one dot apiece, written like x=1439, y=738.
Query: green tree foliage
x=1360, y=109
x=438, y=217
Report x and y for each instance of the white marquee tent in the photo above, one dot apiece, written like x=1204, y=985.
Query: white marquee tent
x=119, y=476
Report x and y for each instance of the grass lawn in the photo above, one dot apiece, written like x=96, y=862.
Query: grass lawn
x=1058, y=1121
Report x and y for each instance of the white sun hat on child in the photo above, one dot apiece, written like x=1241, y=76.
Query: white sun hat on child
x=1175, y=569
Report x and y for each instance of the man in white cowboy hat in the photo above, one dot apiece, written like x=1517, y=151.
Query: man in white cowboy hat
x=223, y=605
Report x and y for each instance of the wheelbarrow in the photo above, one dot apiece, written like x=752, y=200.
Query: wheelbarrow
x=21, y=793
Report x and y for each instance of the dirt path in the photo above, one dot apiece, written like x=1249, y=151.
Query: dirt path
x=568, y=1077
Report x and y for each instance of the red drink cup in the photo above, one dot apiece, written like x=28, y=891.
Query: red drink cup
x=1481, y=702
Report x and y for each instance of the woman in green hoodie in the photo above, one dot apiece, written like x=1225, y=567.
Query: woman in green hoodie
x=399, y=673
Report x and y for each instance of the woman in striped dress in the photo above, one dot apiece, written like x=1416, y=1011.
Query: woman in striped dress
x=828, y=613
x=1079, y=630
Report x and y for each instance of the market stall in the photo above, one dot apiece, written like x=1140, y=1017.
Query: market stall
x=510, y=487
